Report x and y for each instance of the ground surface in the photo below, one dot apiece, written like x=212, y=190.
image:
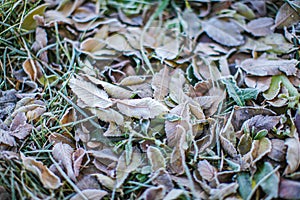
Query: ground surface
x=149, y=100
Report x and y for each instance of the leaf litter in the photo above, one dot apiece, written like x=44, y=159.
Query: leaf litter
x=156, y=100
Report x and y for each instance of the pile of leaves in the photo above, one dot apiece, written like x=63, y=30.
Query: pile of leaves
x=149, y=100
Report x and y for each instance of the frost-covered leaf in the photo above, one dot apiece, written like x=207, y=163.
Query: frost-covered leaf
x=224, y=32
x=160, y=84
x=69, y=116
x=48, y=178
x=239, y=95
x=90, y=94
x=265, y=67
x=260, y=26
x=108, y=115
x=245, y=184
x=287, y=15
x=169, y=50
x=154, y=193
x=113, y=90
x=6, y=138
x=63, y=153
x=90, y=194
x=293, y=155
x=141, y=108
x=118, y=42
x=206, y=170
x=156, y=158
x=289, y=189
x=260, y=148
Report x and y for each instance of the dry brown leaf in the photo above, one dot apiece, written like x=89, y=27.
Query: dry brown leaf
x=228, y=146
x=160, y=84
x=69, y=116
x=156, y=158
x=90, y=194
x=174, y=194
x=178, y=154
x=141, y=108
x=278, y=150
x=169, y=50
x=287, y=15
x=48, y=178
x=90, y=94
x=172, y=129
x=19, y=128
x=106, y=181
x=33, y=69
x=289, y=189
x=260, y=83
x=63, y=154
x=162, y=177
x=77, y=158
x=192, y=25
x=206, y=170
x=292, y=155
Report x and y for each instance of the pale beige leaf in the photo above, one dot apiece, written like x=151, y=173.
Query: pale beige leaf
x=108, y=115
x=169, y=50
x=6, y=138
x=32, y=69
x=123, y=170
x=141, y=108
x=260, y=26
x=156, y=158
x=91, y=45
x=265, y=67
x=90, y=94
x=77, y=158
x=292, y=155
x=113, y=90
x=48, y=178
x=260, y=148
x=224, y=32
x=160, y=84
x=90, y=194
x=63, y=153
x=106, y=181
x=118, y=42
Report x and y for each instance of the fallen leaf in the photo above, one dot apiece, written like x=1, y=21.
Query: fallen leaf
x=244, y=10
x=118, y=42
x=289, y=189
x=106, y=181
x=154, y=193
x=141, y=108
x=260, y=26
x=265, y=67
x=278, y=150
x=6, y=138
x=245, y=144
x=90, y=94
x=206, y=170
x=192, y=25
x=33, y=69
x=48, y=178
x=227, y=33
x=160, y=84
x=287, y=15
x=108, y=115
x=90, y=194
x=19, y=126
x=63, y=153
x=113, y=90
x=69, y=116
x=260, y=148
x=292, y=155
x=169, y=50
x=223, y=190
x=156, y=158
x=77, y=158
